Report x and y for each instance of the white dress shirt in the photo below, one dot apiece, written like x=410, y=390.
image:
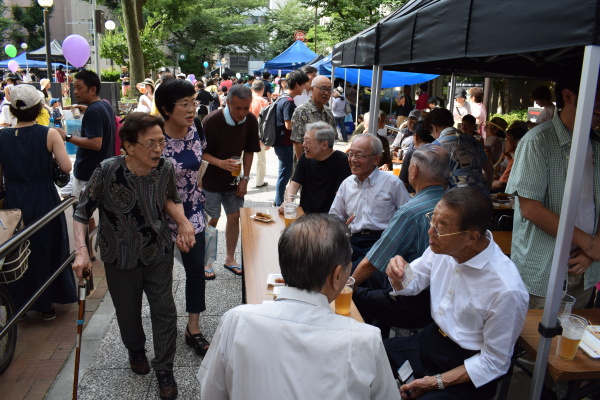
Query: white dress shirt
x=374, y=201
x=295, y=348
x=480, y=304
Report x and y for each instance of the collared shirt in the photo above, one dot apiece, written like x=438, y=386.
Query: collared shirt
x=338, y=107
x=406, y=234
x=539, y=173
x=306, y=114
x=257, y=104
x=466, y=159
x=295, y=348
x=478, y=111
x=480, y=304
x=374, y=201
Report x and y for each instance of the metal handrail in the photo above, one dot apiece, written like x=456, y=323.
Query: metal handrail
x=13, y=244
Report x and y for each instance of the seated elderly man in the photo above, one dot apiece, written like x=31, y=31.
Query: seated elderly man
x=404, y=138
x=297, y=347
x=406, y=235
x=369, y=195
x=320, y=170
x=386, y=157
x=478, y=304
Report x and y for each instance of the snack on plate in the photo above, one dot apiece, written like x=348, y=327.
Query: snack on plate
x=264, y=216
x=279, y=280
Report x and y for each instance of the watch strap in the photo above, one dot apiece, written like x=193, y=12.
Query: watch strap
x=440, y=382
x=246, y=178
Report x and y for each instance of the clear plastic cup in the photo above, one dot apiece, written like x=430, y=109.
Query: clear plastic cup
x=344, y=299
x=573, y=329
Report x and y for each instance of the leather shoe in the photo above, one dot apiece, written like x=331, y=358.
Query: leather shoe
x=263, y=185
x=139, y=362
x=167, y=388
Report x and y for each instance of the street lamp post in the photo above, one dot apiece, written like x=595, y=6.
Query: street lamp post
x=46, y=4
x=24, y=47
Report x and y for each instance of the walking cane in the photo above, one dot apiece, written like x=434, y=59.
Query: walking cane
x=80, y=320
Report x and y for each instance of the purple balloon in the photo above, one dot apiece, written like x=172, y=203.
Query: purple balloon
x=76, y=50
x=13, y=66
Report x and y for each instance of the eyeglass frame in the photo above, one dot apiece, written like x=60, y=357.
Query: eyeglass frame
x=359, y=156
x=324, y=89
x=152, y=144
x=195, y=104
x=438, y=234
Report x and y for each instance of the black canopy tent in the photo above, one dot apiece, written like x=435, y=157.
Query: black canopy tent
x=56, y=52
x=509, y=38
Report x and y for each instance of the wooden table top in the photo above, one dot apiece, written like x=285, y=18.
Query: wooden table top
x=260, y=255
x=581, y=367
x=504, y=240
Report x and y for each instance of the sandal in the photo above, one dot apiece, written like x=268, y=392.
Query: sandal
x=209, y=277
x=233, y=268
x=198, y=342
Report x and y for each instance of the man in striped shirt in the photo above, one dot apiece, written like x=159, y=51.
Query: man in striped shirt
x=406, y=235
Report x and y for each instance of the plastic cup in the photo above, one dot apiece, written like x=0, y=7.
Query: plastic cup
x=573, y=330
x=291, y=198
x=566, y=305
x=289, y=213
x=397, y=168
x=344, y=299
x=238, y=163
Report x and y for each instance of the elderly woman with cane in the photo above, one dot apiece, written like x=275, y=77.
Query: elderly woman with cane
x=134, y=194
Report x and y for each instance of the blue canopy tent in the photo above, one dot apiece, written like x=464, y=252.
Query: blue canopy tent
x=23, y=62
x=294, y=57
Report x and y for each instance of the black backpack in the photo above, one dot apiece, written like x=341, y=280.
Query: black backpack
x=267, y=122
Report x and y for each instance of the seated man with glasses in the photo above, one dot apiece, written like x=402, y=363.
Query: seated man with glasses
x=478, y=304
x=370, y=196
x=320, y=171
x=313, y=110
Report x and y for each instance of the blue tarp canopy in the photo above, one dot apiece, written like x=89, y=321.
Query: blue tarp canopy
x=294, y=57
x=390, y=78
x=23, y=62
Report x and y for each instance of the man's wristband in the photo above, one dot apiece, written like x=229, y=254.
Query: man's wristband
x=440, y=382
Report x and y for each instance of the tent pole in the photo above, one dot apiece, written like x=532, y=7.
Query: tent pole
x=357, y=96
x=452, y=91
x=374, y=105
x=332, y=86
x=583, y=118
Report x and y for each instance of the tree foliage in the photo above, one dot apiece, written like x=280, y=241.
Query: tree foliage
x=28, y=25
x=5, y=23
x=281, y=24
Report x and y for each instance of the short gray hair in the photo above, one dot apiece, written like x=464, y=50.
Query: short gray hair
x=323, y=132
x=258, y=85
x=432, y=159
x=239, y=91
x=374, y=141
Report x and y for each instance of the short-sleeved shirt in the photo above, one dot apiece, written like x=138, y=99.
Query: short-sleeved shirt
x=60, y=77
x=285, y=112
x=268, y=89
x=125, y=75
x=539, y=173
x=406, y=108
x=98, y=121
x=225, y=141
x=320, y=180
x=308, y=113
x=133, y=228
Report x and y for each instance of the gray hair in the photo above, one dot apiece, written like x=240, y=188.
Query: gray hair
x=380, y=115
x=374, y=141
x=323, y=132
x=239, y=91
x=258, y=86
x=432, y=159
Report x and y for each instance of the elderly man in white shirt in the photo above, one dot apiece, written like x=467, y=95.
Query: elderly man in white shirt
x=296, y=347
x=478, y=304
x=370, y=196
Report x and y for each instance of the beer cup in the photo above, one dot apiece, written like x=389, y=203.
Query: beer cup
x=344, y=299
x=238, y=164
x=573, y=329
x=289, y=213
x=566, y=305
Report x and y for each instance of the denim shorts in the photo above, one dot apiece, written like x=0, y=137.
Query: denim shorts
x=230, y=201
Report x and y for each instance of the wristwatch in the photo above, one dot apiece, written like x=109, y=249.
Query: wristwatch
x=246, y=178
x=68, y=137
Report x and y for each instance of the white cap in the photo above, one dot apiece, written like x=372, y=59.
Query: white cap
x=23, y=97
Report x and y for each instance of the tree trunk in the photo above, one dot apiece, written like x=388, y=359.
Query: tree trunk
x=132, y=33
x=507, y=98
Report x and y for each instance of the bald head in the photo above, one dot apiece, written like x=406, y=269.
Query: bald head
x=319, y=96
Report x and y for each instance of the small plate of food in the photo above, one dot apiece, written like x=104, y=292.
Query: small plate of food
x=275, y=280
x=262, y=217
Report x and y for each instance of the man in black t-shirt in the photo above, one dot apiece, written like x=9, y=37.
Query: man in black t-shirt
x=204, y=98
x=320, y=170
x=268, y=88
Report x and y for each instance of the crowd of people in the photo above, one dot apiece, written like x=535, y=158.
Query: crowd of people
x=418, y=245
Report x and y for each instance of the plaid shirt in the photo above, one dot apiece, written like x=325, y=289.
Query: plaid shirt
x=306, y=114
x=539, y=173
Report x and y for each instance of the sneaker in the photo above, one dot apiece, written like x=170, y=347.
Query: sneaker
x=139, y=362
x=167, y=388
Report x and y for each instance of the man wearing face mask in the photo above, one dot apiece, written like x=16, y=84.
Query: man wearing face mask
x=230, y=132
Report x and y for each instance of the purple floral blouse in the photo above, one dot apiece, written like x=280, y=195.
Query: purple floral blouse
x=186, y=156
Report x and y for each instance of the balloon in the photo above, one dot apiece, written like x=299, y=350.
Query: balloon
x=238, y=75
x=10, y=50
x=13, y=66
x=191, y=77
x=205, y=64
x=76, y=50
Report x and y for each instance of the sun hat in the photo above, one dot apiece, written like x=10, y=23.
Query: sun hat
x=44, y=82
x=23, y=97
x=416, y=114
x=498, y=123
x=460, y=93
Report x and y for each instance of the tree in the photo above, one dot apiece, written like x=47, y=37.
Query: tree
x=281, y=24
x=29, y=24
x=5, y=23
x=132, y=32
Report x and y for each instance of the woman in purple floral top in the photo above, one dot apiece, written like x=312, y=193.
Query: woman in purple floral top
x=175, y=100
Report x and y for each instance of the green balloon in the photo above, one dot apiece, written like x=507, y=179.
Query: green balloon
x=10, y=50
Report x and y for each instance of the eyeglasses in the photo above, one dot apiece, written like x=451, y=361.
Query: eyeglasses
x=324, y=88
x=151, y=144
x=429, y=219
x=359, y=156
x=187, y=106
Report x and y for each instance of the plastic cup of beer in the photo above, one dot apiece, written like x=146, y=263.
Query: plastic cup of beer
x=289, y=213
x=290, y=198
x=344, y=299
x=397, y=168
x=573, y=329
x=566, y=305
x=238, y=166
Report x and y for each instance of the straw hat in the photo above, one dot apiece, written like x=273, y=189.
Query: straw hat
x=44, y=82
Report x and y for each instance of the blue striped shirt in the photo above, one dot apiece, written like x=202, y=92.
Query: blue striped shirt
x=406, y=235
